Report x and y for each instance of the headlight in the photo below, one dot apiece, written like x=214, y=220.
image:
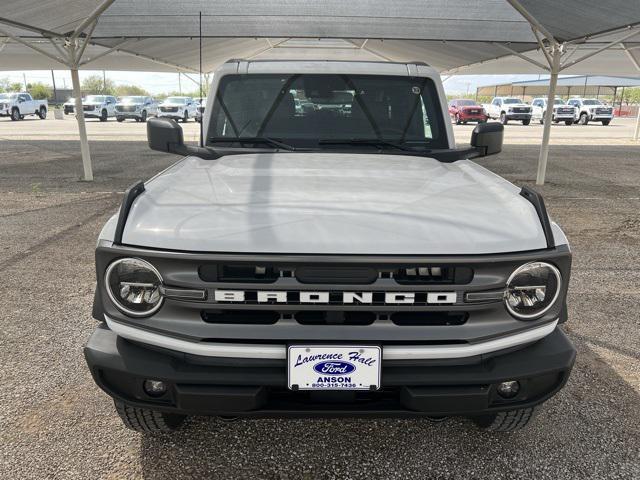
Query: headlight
x=134, y=286
x=532, y=289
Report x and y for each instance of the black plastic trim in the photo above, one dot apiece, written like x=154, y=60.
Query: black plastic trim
x=129, y=196
x=538, y=202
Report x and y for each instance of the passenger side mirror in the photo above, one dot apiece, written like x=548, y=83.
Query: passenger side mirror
x=165, y=135
x=487, y=138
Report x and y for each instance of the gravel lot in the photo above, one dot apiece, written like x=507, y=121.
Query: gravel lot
x=55, y=423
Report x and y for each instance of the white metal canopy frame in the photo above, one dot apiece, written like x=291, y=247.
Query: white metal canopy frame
x=450, y=35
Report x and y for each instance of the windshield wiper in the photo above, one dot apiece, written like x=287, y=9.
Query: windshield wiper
x=266, y=140
x=370, y=141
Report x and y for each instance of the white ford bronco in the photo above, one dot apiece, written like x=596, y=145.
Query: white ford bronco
x=329, y=261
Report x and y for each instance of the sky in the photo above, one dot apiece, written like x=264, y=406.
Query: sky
x=164, y=82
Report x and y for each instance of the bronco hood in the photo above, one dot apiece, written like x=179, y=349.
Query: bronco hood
x=332, y=203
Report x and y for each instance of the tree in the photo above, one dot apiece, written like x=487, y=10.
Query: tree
x=39, y=90
x=95, y=85
x=124, y=90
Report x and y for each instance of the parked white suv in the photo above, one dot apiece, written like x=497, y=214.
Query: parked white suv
x=345, y=261
x=592, y=109
x=178, y=108
x=509, y=108
x=17, y=105
x=138, y=107
x=99, y=106
x=562, y=112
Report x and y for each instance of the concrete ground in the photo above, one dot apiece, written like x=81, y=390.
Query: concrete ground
x=55, y=423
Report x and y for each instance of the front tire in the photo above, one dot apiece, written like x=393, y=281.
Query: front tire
x=147, y=420
x=143, y=118
x=42, y=113
x=458, y=122
x=606, y=122
x=120, y=119
x=526, y=122
x=15, y=114
x=584, y=119
x=503, y=118
x=568, y=122
x=185, y=117
x=505, y=421
x=103, y=116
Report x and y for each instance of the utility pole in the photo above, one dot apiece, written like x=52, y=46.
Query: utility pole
x=24, y=77
x=104, y=82
x=55, y=94
x=180, y=83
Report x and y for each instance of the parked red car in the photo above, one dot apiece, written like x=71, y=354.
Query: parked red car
x=464, y=110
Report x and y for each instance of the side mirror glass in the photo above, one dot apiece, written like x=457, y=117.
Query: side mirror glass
x=487, y=138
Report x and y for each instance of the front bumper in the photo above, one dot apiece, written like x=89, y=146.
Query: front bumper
x=129, y=114
x=518, y=116
x=600, y=116
x=472, y=117
x=174, y=115
x=201, y=385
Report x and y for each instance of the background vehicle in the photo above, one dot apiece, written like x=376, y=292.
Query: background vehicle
x=464, y=110
x=561, y=111
x=202, y=103
x=288, y=239
x=508, y=108
x=591, y=109
x=178, y=108
x=18, y=105
x=70, y=105
x=99, y=106
x=136, y=107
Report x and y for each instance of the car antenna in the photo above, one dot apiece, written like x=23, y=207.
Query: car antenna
x=200, y=79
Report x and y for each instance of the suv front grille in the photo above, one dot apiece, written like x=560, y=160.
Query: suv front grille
x=336, y=275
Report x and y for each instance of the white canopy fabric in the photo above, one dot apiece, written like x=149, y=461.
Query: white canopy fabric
x=470, y=36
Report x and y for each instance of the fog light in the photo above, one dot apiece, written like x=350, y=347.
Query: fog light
x=154, y=388
x=508, y=389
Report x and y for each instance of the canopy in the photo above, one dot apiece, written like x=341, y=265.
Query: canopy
x=450, y=35
x=567, y=86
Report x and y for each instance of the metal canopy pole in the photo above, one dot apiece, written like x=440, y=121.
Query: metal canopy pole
x=82, y=129
x=548, y=115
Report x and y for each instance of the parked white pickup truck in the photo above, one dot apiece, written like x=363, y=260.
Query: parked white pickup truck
x=561, y=111
x=509, y=108
x=17, y=105
x=592, y=109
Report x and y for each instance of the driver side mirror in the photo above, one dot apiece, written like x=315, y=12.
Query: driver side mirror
x=165, y=135
x=487, y=138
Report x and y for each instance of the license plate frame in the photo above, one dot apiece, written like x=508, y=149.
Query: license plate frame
x=334, y=367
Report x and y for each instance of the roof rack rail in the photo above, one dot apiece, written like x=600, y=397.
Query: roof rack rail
x=536, y=200
x=129, y=196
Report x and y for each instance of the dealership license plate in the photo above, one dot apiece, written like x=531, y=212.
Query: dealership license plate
x=331, y=367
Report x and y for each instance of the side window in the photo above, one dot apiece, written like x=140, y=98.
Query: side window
x=496, y=101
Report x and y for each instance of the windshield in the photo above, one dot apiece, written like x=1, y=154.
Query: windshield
x=558, y=101
x=512, y=100
x=466, y=103
x=95, y=99
x=4, y=96
x=322, y=111
x=180, y=100
x=132, y=100
x=591, y=102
